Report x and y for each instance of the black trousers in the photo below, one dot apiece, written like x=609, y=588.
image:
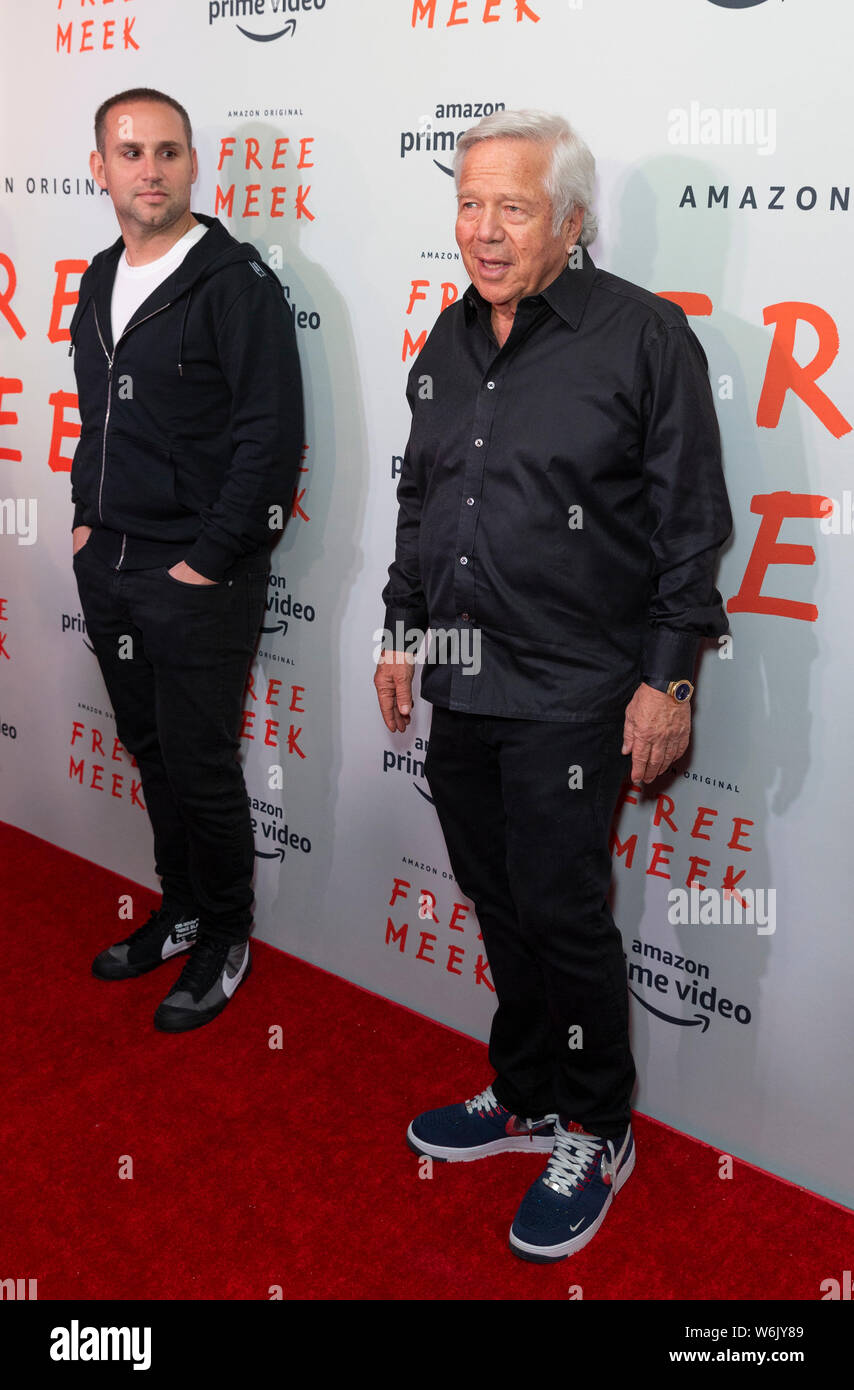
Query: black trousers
x=175, y=659
x=531, y=851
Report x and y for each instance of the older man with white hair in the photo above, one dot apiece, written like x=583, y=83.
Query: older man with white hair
x=561, y=506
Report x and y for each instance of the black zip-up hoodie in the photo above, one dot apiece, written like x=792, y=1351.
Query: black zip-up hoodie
x=192, y=424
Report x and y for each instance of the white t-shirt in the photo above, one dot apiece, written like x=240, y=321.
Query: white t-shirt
x=134, y=283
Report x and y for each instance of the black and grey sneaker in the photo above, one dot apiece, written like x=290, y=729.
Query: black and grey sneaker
x=205, y=985
x=166, y=933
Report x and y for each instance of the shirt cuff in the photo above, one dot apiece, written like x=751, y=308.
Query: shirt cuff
x=669, y=655
x=399, y=621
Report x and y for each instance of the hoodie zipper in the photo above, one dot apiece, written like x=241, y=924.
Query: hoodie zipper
x=110, y=361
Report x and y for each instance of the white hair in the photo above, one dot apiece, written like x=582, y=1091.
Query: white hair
x=569, y=181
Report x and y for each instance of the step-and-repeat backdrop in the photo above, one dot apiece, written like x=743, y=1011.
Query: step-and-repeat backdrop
x=325, y=131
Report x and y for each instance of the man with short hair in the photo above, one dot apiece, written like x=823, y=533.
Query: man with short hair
x=191, y=428
x=562, y=502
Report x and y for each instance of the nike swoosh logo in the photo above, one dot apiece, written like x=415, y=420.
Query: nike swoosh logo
x=577, y=1224
x=171, y=948
x=230, y=982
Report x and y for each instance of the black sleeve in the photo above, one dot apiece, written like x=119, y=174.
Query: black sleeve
x=403, y=595
x=687, y=499
x=257, y=347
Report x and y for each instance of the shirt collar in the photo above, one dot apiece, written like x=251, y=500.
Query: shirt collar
x=567, y=296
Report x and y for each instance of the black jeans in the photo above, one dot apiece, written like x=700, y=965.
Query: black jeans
x=531, y=851
x=175, y=658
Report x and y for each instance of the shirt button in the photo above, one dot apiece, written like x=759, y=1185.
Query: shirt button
x=464, y=560
x=469, y=501
x=478, y=443
x=490, y=386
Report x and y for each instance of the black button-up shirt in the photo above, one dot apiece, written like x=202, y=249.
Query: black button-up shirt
x=561, y=502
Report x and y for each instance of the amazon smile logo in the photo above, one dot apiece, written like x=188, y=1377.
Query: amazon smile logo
x=410, y=764
x=289, y=28
x=438, y=131
x=269, y=824
x=699, y=1020
x=282, y=608
x=262, y=21
x=705, y=1001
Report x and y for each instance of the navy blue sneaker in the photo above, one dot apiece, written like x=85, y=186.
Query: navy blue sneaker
x=477, y=1128
x=567, y=1204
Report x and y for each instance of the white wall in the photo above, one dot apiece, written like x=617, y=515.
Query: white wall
x=766, y=1077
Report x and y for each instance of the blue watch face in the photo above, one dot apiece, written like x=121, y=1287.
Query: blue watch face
x=682, y=691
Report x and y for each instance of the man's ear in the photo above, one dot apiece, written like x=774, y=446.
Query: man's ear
x=195, y=160
x=97, y=170
x=572, y=227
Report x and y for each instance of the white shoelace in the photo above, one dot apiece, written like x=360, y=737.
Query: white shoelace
x=571, y=1157
x=485, y=1101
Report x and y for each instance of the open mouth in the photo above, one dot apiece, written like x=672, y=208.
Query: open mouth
x=491, y=268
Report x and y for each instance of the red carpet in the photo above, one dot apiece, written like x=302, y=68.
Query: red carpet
x=255, y=1167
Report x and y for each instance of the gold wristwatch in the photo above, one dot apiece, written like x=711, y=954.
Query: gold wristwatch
x=680, y=691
